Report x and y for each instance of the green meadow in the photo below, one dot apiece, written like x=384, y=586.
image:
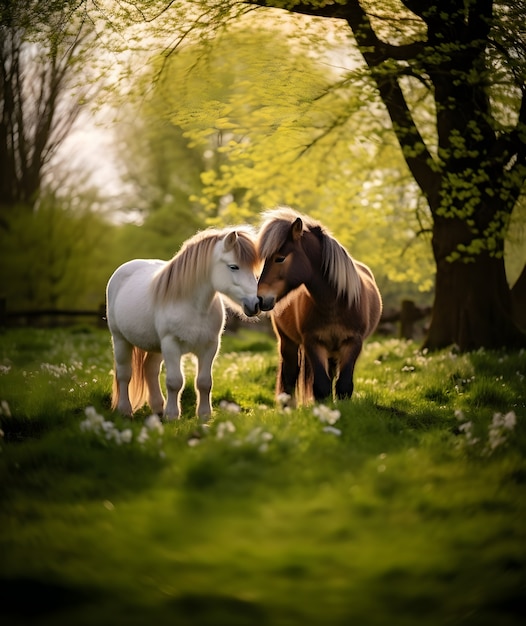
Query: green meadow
x=405, y=505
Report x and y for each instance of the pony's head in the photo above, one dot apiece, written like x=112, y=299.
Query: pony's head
x=286, y=263
x=233, y=270
x=224, y=259
x=293, y=247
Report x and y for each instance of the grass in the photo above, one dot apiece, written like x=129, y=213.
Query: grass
x=263, y=518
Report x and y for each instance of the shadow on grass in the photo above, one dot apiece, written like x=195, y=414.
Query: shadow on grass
x=64, y=467
x=28, y=598
x=31, y=601
x=210, y=610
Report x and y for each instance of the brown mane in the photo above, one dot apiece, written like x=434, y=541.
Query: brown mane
x=338, y=265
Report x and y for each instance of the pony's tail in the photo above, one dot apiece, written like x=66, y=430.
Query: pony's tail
x=137, y=389
x=115, y=391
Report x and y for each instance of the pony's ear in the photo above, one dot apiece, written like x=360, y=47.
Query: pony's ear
x=296, y=229
x=230, y=241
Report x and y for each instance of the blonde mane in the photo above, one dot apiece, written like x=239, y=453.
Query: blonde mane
x=191, y=265
x=338, y=266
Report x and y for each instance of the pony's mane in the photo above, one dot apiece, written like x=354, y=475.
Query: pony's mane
x=337, y=264
x=190, y=266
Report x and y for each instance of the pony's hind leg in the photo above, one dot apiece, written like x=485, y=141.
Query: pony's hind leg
x=203, y=381
x=174, y=377
x=122, y=351
x=152, y=367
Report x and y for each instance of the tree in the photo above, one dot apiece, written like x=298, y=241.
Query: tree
x=59, y=255
x=161, y=174
x=43, y=49
x=470, y=57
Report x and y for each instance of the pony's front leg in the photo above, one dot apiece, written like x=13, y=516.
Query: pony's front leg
x=172, y=355
x=289, y=367
x=203, y=381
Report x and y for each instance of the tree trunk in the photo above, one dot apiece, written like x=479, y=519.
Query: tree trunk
x=473, y=304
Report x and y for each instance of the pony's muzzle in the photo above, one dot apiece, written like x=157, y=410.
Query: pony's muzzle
x=267, y=303
x=251, y=306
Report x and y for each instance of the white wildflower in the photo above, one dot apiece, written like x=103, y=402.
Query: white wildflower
x=116, y=435
x=495, y=439
x=283, y=399
x=326, y=415
x=224, y=428
x=332, y=430
x=509, y=420
x=260, y=438
x=93, y=422
x=126, y=435
x=499, y=429
x=231, y=407
x=154, y=423
x=4, y=408
x=54, y=370
x=143, y=435
x=107, y=426
x=253, y=435
x=258, y=434
x=467, y=429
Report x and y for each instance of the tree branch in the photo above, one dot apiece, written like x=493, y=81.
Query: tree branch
x=379, y=57
x=351, y=12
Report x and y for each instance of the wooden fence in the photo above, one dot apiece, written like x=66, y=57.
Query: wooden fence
x=51, y=317
x=410, y=319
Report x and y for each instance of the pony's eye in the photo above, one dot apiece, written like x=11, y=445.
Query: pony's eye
x=279, y=259
x=234, y=267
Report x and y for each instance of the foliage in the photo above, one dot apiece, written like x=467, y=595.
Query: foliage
x=44, y=50
x=266, y=516
x=258, y=130
x=160, y=170
x=57, y=256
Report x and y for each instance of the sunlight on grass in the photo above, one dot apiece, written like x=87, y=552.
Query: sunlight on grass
x=406, y=501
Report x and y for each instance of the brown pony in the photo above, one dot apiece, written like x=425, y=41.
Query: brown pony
x=324, y=304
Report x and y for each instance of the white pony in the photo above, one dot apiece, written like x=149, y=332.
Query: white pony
x=161, y=310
